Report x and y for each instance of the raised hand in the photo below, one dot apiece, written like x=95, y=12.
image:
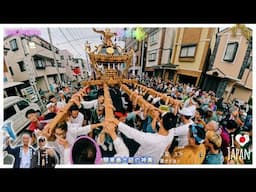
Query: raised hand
x=111, y=120
x=156, y=115
x=63, y=142
x=50, y=152
x=110, y=129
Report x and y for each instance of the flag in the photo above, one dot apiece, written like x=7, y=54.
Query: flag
x=7, y=127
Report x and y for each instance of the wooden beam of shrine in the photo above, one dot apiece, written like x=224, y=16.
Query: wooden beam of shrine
x=92, y=82
x=108, y=103
x=133, y=81
x=154, y=93
x=61, y=115
x=140, y=101
x=108, y=82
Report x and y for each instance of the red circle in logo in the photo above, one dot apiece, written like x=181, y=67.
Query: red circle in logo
x=242, y=139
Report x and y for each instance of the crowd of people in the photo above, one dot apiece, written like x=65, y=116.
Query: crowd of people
x=199, y=129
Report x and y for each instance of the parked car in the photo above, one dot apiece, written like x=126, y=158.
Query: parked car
x=15, y=109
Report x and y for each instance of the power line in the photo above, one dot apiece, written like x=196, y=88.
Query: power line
x=72, y=33
x=69, y=42
x=80, y=43
x=79, y=32
x=74, y=40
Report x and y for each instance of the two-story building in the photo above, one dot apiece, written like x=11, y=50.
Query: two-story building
x=11, y=87
x=31, y=59
x=191, y=54
x=230, y=70
x=67, y=60
x=159, y=51
x=131, y=43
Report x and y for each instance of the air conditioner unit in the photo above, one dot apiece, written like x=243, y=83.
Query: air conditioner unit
x=30, y=94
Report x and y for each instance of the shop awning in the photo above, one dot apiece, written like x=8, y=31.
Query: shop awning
x=149, y=69
x=218, y=73
x=169, y=66
x=166, y=66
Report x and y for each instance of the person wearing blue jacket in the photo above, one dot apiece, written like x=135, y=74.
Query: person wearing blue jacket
x=22, y=153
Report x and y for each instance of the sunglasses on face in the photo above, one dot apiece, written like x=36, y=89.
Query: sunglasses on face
x=41, y=140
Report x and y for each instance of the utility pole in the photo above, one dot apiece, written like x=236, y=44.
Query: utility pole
x=134, y=60
x=31, y=71
x=142, y=58
x=54, y=57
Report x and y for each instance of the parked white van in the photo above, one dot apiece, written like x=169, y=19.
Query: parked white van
x=15, y=109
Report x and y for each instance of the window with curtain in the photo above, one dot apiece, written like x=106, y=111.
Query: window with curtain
x=230, y=53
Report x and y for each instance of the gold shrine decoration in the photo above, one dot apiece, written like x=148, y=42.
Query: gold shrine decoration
x=140, y=101
x=92, y=82
x=128, y=63
x=247, y=33
x=108, y=53
x=107, y=35
x=108, y=103
x=168, y=100
x=109, y=58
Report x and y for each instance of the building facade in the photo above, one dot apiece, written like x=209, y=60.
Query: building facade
x=31, y=59
x=7, y=76
x=230, y=70
x=159, y=51
x=191, y=53
x=67, y=60
x=131, y=43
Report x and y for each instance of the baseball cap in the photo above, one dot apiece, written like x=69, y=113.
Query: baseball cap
x=29, y=112
x=214, y=138
x=155, y=100
x=150, y=97
x=186, y=111
x=49, y=105
x=41, y=139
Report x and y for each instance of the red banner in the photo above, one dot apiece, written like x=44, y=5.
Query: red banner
x=76, y=71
